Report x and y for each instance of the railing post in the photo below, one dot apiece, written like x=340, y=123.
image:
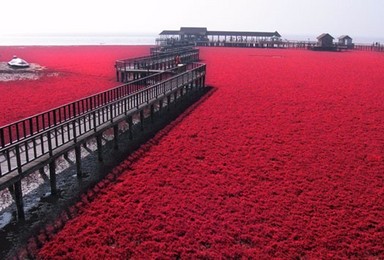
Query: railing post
x=18, y=159
x=137, y=100
x=94, y=121
x=74, y=109
x=74, y=131
x=49, y=143
x=2, y=137
x=111, y=112
x=30, y=126
x=17, y=189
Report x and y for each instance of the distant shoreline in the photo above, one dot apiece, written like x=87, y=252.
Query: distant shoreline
x=76, y=40
x=142, y=39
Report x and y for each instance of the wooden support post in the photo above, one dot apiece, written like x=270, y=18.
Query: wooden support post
x=168, y=102
x=116, y=137
x=130, y=125
x=43, y=175
x=99, y=147
x=160, y=104
x=78, y=161
x=18, y=193
x=152, y=113
x=52, y=177
x=19, y=200
x=142, y=120
x=66, y=156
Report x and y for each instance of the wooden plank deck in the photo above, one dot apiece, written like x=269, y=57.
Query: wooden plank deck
x=19, y=158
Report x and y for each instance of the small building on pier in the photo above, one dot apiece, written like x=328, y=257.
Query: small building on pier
x=345, y=41
x=325, y=40
x=193, y=34
x=200, y=36
x=324, y=43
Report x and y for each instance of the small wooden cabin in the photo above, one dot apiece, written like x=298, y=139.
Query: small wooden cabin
x=325, y=40
x=345, y=40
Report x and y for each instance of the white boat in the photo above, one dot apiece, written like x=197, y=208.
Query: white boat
x=18, y=63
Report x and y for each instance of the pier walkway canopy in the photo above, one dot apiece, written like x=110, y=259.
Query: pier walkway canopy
x=200, y=36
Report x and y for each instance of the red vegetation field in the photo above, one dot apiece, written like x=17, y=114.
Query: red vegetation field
x=285, y=159
x=70, y=73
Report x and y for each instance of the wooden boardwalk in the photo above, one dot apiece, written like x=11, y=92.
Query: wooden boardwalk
x=167, y=60
x=30, y=144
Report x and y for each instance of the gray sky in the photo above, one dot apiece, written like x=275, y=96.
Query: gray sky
x=352, y=17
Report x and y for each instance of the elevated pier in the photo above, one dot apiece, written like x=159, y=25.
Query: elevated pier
x=167, y=59
x=28, y=145
x=200, y=36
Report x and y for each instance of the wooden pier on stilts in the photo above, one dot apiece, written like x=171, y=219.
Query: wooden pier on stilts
x=169, y=60
x=152, y=82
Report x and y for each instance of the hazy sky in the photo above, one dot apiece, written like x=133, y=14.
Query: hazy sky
x=352, y=17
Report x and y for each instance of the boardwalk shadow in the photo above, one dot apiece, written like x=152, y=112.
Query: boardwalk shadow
x=42, y=208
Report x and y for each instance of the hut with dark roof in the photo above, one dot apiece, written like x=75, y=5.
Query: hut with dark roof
x=325, y=40
x=345, y=41
x=324, y=43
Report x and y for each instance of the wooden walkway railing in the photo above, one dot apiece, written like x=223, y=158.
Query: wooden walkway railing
x=369, y=47
x=176, y=47
x=23, y=151
x=32, y=152
x=154, y=63
x=22, y=129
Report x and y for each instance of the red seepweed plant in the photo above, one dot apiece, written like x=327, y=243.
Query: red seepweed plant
x=284, y=160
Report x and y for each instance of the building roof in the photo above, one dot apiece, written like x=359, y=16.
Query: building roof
x=324, y=35
x=204, y=31
x=193, y=30
x=239, y=33
x=170, y=32
x=345, y=37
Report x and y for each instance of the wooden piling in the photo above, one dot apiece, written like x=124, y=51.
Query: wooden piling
x=78, y=161
x=116, y=137
x=52, y=177
x=19, y=200
x=142, y=120
x=152, y=113
x=130, y=125
x=99, y=147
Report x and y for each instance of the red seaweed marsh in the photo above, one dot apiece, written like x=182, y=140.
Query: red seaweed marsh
x=285, y=159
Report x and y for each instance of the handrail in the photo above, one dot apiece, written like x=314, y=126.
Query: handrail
x=172, y=52
x=44, y=142
x=145, y=61
x=20, y=129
